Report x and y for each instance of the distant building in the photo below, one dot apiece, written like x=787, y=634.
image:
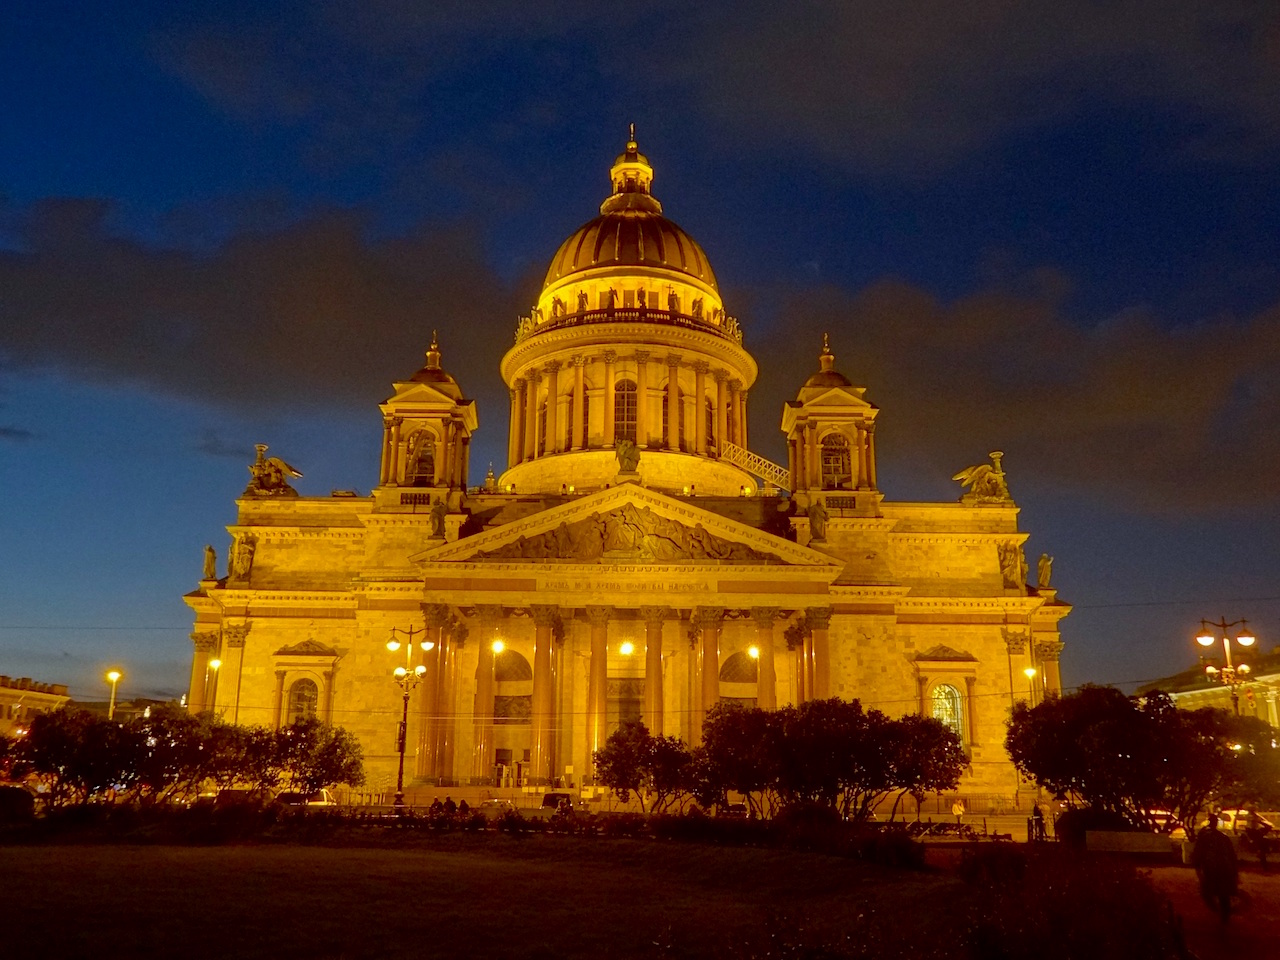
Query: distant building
x=635, y=558
x=22, y=698
x=1258, y=695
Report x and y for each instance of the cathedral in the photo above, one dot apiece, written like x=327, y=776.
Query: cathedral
x=634, y=560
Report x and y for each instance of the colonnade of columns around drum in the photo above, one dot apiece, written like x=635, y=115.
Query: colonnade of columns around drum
x=805, y=447
x=437, y=706
x=543, y=386
x=451, y=459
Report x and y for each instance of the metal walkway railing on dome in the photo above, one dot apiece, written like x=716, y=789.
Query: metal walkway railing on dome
x=753, y=463
x=727, y=327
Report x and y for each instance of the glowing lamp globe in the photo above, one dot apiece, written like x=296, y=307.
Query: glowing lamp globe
x=420, y=669
x=498, y=646
x=400, y=671
x=393, y=645
x=627, y=648
x=1206, y=639
x=427, y=645
x=1246, y=639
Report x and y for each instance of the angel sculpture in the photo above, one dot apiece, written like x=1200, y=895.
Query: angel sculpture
x=271, y=476
x=985, y=481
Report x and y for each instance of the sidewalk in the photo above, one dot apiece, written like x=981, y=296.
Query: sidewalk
x=1254, y=930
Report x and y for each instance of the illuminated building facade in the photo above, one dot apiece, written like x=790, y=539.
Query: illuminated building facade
x=634, y=559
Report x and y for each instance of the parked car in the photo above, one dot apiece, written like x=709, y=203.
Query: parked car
x=294, y=798
x=1237, y=821
x=493, y=809
x=552, y=803
x=734, y=811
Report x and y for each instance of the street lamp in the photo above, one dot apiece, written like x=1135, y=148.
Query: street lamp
x=406, y=677
x=1030, y=673
x=1230, y=674
x=211, y=683
x=113, y=678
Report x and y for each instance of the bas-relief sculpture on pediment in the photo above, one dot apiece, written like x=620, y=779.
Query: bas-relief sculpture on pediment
x=627, y=534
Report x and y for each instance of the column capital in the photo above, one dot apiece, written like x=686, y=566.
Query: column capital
x=435, y=614
x=488, y=613
x=1015, y=641
x=1048, y=650
x=534, y=377
x=518, y=383
x=553, y=366
x=708, y=616
x=735, y=385
x=235, y=633
x=544, y=614
x=642, y=356
x=610, y=356
x=721, y=376
x=578, y=360
x=599, y=615
x=654, y=614
x=673, y=359
x=396, y=421
x=765, y=616
x=819, y=617
x=701, y=366
x=205, y=640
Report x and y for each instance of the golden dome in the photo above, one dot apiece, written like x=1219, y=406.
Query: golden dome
x=432, y=372
x=828, y=375
x=630, y=231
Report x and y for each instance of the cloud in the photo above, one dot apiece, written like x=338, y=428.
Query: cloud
x=313, y=313
x=1161, y=419
x=211, y=444
x=16, y=434
x=902, y=87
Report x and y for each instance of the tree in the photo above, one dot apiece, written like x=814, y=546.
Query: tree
x=1134, y=756
x=314, y=755
x=77, y=756
x=623, y=764
x=925, y=757
x=740, y=746
x=670, y=772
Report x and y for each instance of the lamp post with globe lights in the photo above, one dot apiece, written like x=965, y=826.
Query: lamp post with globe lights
x=406, y=678
x=1230, y=674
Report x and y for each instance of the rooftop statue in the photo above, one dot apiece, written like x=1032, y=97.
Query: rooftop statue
x=628, y=456
x=210, y=563
x=271, y=476
x=1044, y=571
x=985, y=481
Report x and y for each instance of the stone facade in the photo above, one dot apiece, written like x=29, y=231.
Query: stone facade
x=584, y=585
x=21, y=698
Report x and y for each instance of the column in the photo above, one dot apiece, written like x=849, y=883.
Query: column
x=742, y=420
x=735, y=412
x=445, y=462
x=1048, y=652
x=814, y=467
x=464, y=461
x=642, y=398
x=860, y=449
x=531, y=416
x=204, y=644
x=653, y=700
x=791, y=463
x=971, y=712
x=553, y=405
x=579, y=397
x=517, y=422
x=393, y=471
x=802, y=460
x=819, y=620
x=610, y=358
x=513, y=429
x=1015, y=645
x=1273, y=713
x=722, y=410
x=482, y=710
x=807, y=666
x=427, y=765
x=544, y=618
x=766, y=673
x=277, y=701
x=800, y=665
x=597, y=680
x=694, y=713
x=673, y=402
x=233, y=636
x=386, y=450
x=871, y=455
x=700, y=407
x=442, y=729
x=710, y=618
x=458, y=444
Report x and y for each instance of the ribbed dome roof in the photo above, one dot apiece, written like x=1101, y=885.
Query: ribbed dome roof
x=632, y=238
x=433, y=373
x=828, y=376
x=631, y=230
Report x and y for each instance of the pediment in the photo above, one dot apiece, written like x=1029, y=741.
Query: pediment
x=627, y=524
x=942, y=653
x=307, y=648
x=847, y=397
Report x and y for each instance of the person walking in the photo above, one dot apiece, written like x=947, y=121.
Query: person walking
x=957, y=810
x=1037, y=822
x=1214, y=858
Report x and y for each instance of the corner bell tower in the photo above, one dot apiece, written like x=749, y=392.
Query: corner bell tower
x=426, y=430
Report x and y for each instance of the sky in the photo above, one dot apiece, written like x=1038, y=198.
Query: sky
x=1049, y=228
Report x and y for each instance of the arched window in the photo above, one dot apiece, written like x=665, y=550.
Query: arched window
x=947, y=707
x=304, y=698
x=836, y=464
x=420, y=471
x=666, y=420
x=740, y=668
x=624, y=410
x=510, y=666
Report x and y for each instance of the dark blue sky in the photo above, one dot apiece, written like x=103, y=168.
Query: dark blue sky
x=1049, y=228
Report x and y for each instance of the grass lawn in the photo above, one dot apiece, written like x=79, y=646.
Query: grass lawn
x=486, y=896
